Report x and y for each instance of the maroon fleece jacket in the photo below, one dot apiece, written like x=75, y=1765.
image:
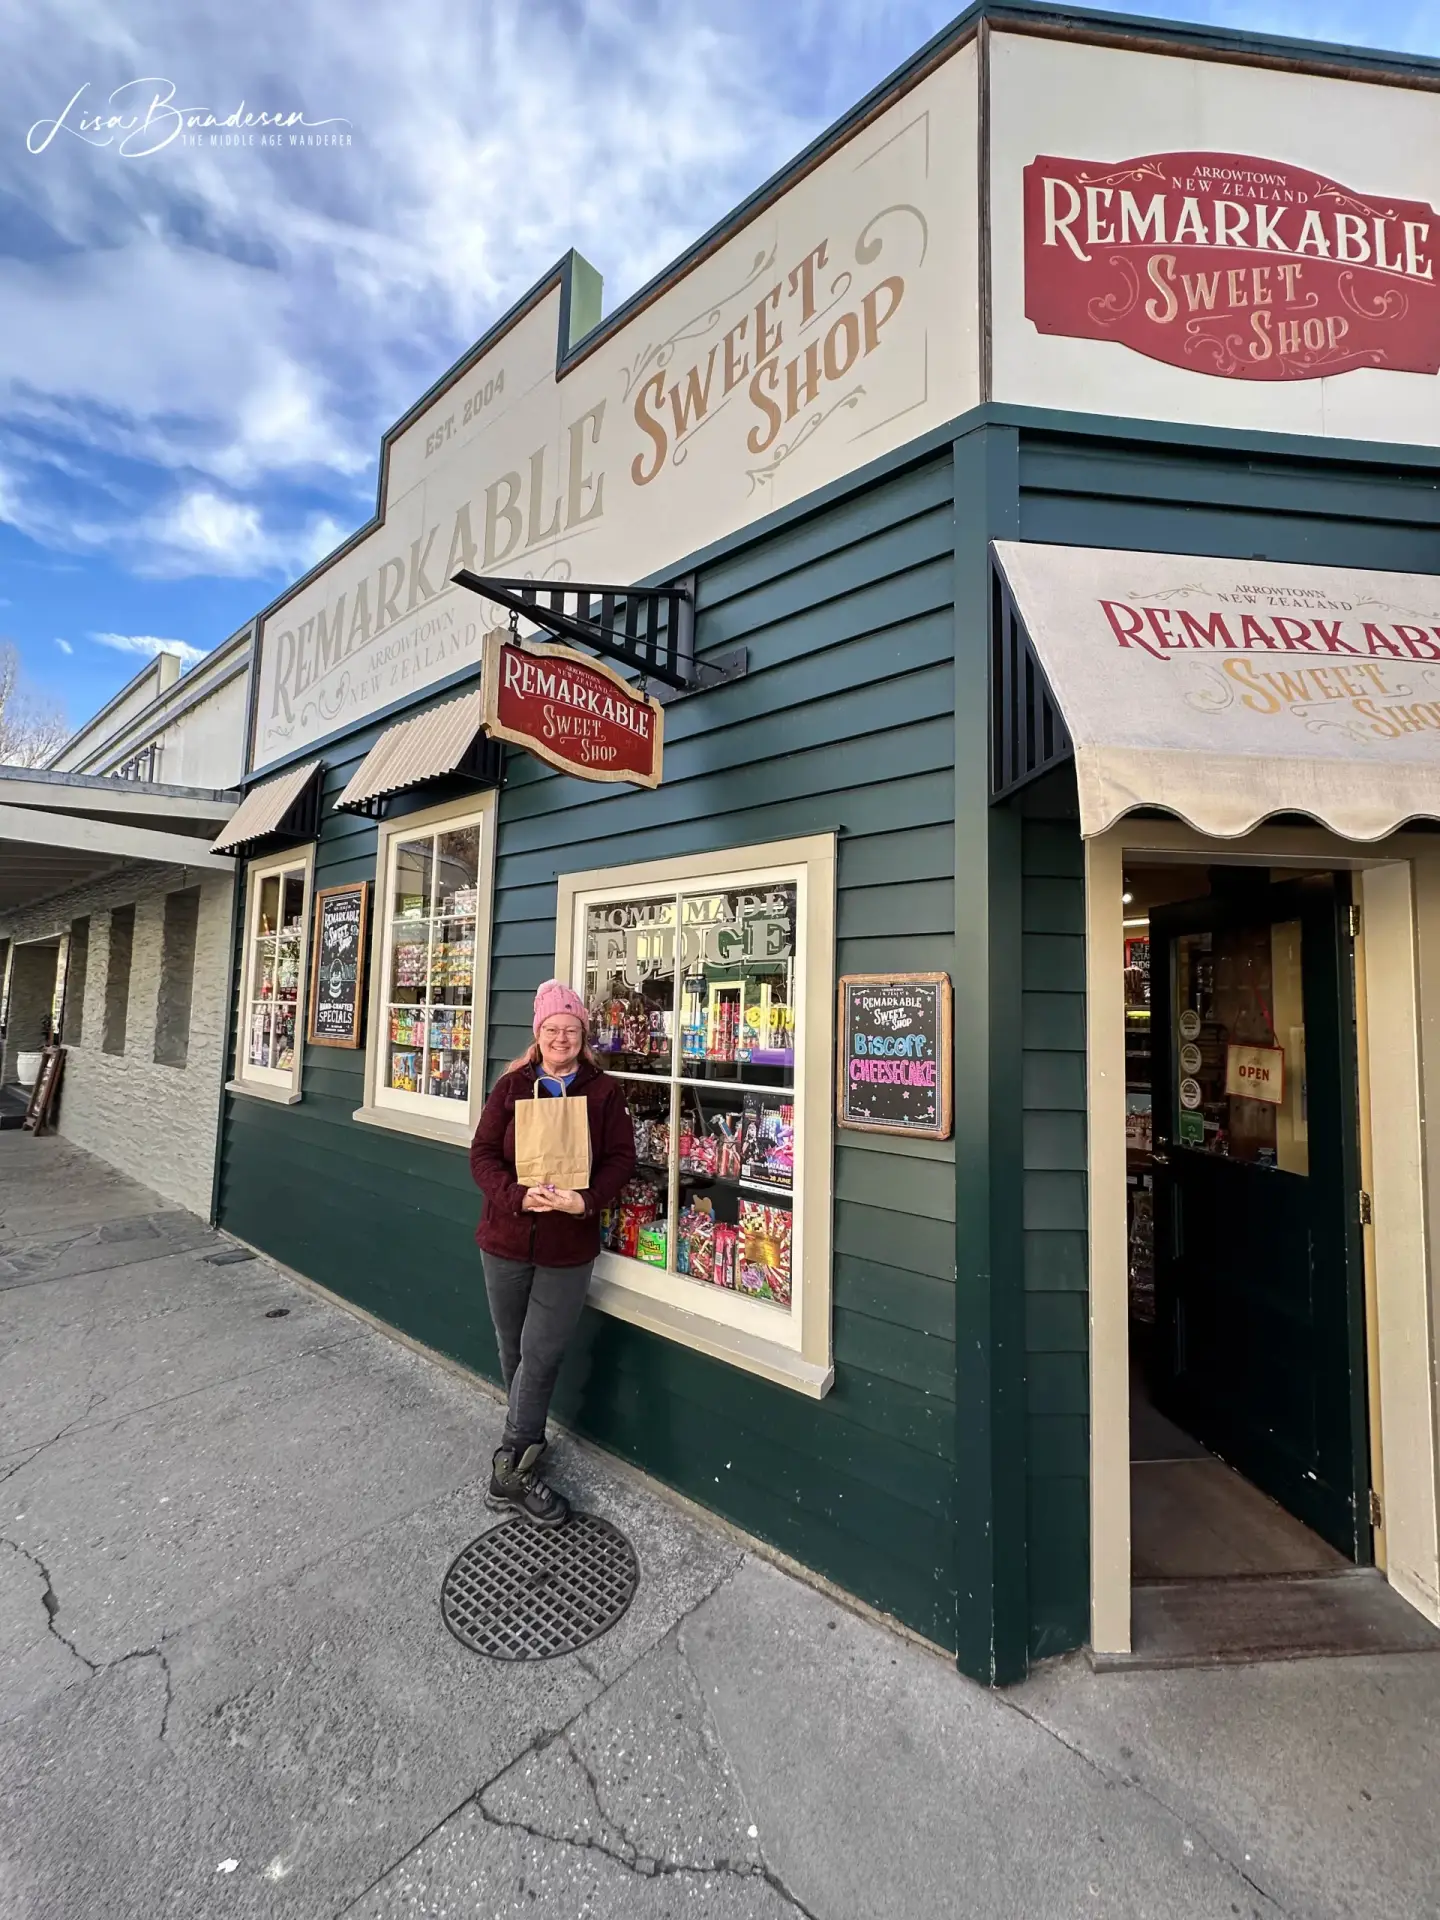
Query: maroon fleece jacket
x=549, y=1239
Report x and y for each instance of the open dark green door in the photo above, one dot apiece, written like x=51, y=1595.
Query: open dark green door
x=1259, y=1297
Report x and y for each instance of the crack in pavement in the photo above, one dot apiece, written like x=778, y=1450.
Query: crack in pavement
x=151, y=1653
x=541, y=1742
x=50, y=1601
x=645, y=1866
x=1136, y=1785
x=95, y=1400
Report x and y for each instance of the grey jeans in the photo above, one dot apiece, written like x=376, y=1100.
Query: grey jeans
x=535, y=1310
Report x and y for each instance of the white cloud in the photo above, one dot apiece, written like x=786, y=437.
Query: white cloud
x=231, y=320
x=149, y=645
x=203, y=532
x=195, y=531
x=64, y=646
x=189, y=336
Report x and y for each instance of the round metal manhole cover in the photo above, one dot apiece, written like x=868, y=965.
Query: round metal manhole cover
x=521, y=1592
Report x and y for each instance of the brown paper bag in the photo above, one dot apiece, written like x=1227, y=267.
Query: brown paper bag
x=552, y=1141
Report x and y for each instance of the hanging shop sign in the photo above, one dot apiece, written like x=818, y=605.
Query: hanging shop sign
x=337, y=967
x=1245, y=268
x=894, y=1067
x=1256, y=1073
x=572, y=711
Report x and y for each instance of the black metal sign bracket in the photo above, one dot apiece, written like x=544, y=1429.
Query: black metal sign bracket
x=651, y=630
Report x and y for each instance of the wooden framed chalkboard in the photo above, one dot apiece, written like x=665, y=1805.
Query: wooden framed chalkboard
x=894, y=1069
x=337, y=965
x=47, y=1085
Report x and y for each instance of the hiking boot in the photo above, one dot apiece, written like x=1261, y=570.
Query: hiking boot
x=515, y=1485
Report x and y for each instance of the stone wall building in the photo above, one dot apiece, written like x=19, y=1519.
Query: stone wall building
x=115, y=921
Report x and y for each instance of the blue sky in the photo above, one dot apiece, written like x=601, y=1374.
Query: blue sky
x=199, y=350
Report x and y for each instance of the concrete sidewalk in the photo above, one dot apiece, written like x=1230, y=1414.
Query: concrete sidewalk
x=225, y=1687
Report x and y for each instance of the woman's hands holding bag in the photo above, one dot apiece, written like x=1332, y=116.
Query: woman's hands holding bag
x=546, y=1199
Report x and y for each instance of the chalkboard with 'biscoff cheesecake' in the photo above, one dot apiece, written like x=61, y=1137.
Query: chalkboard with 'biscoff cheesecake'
x=337, y=966
x=894, y=1065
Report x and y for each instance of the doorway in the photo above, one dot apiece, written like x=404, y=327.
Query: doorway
x=1163, y=1593
x=1248, y=1428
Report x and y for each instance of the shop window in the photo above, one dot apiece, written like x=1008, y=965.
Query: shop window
x=271, y=977
x=177, y=977
x=427, y=1053
x=117, y=979
x=709, y=983
x=76, y=969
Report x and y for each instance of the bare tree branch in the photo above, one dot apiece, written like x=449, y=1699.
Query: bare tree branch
x=31, y=730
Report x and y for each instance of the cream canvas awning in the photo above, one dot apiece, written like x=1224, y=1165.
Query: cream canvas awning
x=265, y=810
x=426, y=748
x=1226, y=691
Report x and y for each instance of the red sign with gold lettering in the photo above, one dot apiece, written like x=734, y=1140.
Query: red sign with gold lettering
x=1229, y=265
x=573, y=711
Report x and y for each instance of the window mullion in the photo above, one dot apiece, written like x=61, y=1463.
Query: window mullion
x=672, y=1193
x=429, y=969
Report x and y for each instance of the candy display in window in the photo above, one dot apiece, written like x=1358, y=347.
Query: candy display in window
x=768, y=1146
x=652, y=1244
x=696, y=1249
x=726, y=1246
x=763, y=1259
x=405, y=1071
x=434, y=898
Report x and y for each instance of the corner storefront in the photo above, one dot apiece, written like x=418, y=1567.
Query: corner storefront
x=899, y=1352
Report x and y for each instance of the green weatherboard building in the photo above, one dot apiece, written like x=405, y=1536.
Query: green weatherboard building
x=1038, y=631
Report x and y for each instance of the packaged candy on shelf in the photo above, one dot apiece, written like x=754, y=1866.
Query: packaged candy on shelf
x=696, y=1251
x=726, y=1129
x=768, y=1144
x=639, y=1205
x=727, y=1240
x=763, y=1264
x=653, y=1244
x=635, y=1035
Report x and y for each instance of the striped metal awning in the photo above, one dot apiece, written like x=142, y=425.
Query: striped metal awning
x=448, y=739
x=278, y=807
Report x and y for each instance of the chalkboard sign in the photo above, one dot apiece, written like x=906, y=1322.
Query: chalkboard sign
x=894, y=1074
x=337, y=966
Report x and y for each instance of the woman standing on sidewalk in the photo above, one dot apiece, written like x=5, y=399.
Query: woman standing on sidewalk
x=538, y=1243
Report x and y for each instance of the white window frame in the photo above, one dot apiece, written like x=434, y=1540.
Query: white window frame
x=269, y=1083
x=427, y=1115
x=793, y=1349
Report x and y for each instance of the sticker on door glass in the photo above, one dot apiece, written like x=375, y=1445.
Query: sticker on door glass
x=1190, y=1095
x=1192, y=1129
x=1189, y=1024
x=1189, y=1057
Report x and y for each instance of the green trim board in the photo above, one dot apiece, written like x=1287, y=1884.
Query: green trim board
x=990, y=1440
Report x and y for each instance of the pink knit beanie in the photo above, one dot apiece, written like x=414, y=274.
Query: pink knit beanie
x=555, y=997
